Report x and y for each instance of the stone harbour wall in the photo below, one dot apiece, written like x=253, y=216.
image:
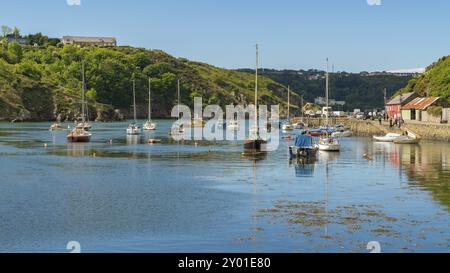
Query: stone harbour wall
x=427, y=131
x=440, y=132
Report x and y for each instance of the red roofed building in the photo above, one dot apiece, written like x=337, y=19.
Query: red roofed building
x=417, y=110
x=393, y=108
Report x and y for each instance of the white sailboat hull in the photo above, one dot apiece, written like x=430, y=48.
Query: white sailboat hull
x=329, y=145
x=134, y=131
x=150, y=126
x=288, y=127
x=342, y=134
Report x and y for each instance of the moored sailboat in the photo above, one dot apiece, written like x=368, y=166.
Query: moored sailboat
x=134, y=128
x=288, y=126
x=177, y=128
x=79, y=134
x=149, y=125
x=254, y=143
x=327, y=142
x=56, y=126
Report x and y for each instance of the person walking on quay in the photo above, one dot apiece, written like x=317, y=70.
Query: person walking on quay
x=379, y=120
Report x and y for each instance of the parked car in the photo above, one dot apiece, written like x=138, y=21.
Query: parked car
x=360, y=115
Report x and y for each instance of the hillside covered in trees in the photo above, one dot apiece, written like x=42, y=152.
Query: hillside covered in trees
x=434, y=82
x=359, y=90
x=43, y=81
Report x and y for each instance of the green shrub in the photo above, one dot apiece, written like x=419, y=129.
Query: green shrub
x=435, y=111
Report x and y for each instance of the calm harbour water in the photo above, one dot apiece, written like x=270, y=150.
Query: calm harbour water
x=182, y=197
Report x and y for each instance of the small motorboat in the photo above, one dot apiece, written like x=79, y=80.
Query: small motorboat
x=322, y=131
x=387, y=138
x=406, y=140
x=254, y=146
x=153, y=141
x=304, y=147
x=287, y=127
x=56, y=127
x=288, y=137
x=340, y=134
x=299, y=125
x=316, y=132
x=329, y=144
x=133, y=129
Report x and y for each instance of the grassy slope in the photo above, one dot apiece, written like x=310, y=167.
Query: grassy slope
x=434, y=82
x=45, y=82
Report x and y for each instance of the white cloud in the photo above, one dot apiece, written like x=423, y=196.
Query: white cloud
x=74, y=2
x=374, y=2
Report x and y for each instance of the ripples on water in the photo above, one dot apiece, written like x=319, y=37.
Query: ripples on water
x=206, y=197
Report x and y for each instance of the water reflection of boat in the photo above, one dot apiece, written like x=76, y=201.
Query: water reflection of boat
x=133, y=139
x=77, y=149
x=328, y=157
x=254, y=156
x=427, y=165
x=304, y=167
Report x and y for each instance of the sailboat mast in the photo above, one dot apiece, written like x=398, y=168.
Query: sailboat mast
x=327, y=93
x=179, y=98
x=289, y=104
x=134, y=100
x=83, y=115
x=256, y=86
x=301, y=108
x=149, y=99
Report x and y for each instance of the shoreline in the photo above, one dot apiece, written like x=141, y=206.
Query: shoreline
x=433, y=132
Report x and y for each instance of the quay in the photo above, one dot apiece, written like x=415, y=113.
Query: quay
x=426, y=131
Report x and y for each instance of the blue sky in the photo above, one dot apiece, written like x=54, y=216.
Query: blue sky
x=293, y=34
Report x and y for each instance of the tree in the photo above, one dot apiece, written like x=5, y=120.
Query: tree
x=37, y=39
x=16, y=33
x=15, y=50
x=6, y=30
